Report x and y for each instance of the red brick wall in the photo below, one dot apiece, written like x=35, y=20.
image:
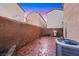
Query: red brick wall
x=13, y=32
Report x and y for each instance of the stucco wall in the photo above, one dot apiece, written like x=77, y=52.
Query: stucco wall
x=71, y=17
x=55, y=19
x=36, y=19
x=11, y=10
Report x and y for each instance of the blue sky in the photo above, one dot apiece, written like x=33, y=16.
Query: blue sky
x=40, y=7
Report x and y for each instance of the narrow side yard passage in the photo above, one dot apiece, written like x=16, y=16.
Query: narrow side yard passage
x=44, y=46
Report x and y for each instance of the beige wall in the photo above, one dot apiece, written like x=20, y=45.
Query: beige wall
x=55, y=19
x=11, y=10
x=36, y=19
x=71, y=24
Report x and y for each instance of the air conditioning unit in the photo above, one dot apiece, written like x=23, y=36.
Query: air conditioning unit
x=67, y=47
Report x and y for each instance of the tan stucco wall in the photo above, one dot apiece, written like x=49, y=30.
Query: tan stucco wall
x=55, y=19
x=35, y=18
x=11, y=10
x=71, y=23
